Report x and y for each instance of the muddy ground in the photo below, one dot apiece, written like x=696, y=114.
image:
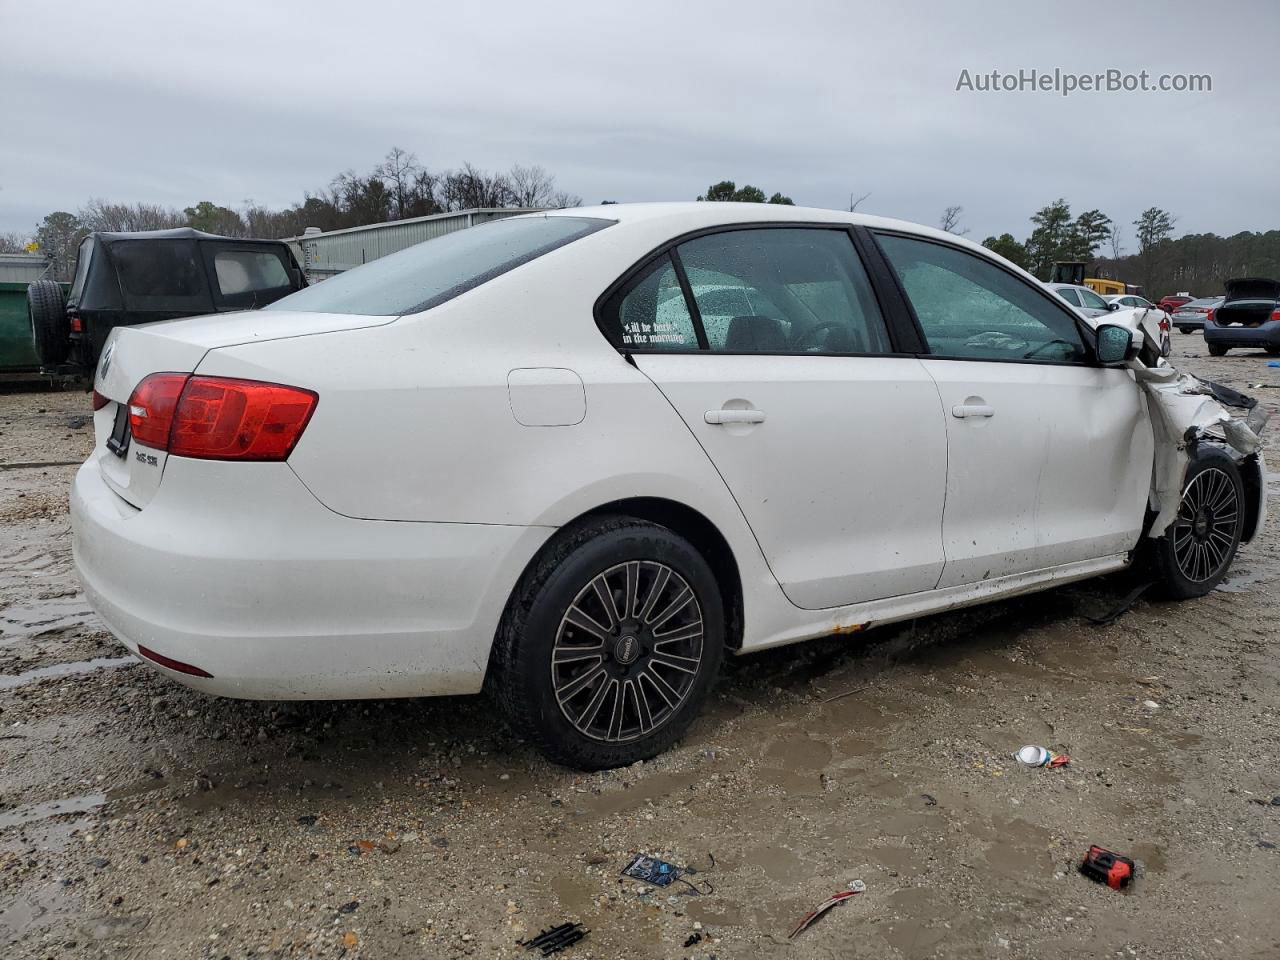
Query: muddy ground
x=138, y=819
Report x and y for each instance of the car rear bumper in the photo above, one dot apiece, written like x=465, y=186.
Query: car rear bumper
x=1263, y=335
x=248, y=577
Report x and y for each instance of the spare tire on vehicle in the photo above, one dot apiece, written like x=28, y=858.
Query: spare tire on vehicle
x=50, y=325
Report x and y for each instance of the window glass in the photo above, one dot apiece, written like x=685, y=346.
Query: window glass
x=652, y=314
x=970, y=308
x=158, y=268
x=244, y=271
x=1071, y=296
x=1092, y=300
x=82, y=267
x=783, y=291
x=429, y=273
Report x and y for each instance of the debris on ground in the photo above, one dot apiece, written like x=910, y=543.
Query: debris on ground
x=1034, y=756
x=555, y=939
x=812, y=917
x=652, y=870
x=1106, y=866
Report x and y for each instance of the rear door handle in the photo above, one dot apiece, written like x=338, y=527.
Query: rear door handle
x=734, y=416
x=963, y=410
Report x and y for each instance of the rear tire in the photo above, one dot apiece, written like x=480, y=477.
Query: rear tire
x=1184, y=329
x=50, y=325
x=1217, y=351
x=580, y=666
x=1196, y=551
x=1274, y=351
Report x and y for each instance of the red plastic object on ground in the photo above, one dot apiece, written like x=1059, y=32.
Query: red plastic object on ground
x=1107, y=867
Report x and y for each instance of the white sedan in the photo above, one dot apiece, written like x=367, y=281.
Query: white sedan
x=580, y=456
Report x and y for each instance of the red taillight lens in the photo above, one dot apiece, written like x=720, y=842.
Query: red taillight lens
x=222, y=419
x=151, y=408
x=1208, y=316
x=76, y=325
x=1275, y=314
x=99, y=401
x=217, y=418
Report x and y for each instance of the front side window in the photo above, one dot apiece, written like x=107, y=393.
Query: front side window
x=429, y=273
x=784, y=290
x=970, y=308
x=1071, y=296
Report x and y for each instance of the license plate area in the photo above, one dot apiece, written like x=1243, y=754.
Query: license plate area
x=118, y=442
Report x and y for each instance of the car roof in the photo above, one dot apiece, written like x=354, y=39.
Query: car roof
x=725, y=213
x=1072, y=286
x=176, y=233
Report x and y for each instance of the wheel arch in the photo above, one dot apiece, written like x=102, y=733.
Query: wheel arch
x=689, y=523
x=1252, y=475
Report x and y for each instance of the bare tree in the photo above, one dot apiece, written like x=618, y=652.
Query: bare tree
x=1114, y=237
x=99, y=215
x=531, y=186
x=561, y=199
x=399, y=169
x=471, y=187
x=853, y=204
x=950, y=221
x=13, y=243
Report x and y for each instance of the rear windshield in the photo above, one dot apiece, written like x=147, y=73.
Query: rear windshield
x=428, y=274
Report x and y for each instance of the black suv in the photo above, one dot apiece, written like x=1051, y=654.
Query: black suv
x=127, y=278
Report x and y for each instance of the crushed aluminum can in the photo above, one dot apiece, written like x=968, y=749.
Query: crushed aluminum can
x=1033, y=756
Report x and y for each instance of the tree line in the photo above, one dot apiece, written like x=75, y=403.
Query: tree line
x=398, y=187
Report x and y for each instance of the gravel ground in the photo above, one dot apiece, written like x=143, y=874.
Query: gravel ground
x=140, y=819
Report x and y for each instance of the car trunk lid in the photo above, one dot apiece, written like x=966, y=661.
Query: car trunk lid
x=133, y=469
x=1250, y=301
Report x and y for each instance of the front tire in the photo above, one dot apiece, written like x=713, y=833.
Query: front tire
x=1196, y=551
x=610, y=643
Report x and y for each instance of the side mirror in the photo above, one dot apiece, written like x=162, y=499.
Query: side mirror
x=1114, y=344
x=1112, y=305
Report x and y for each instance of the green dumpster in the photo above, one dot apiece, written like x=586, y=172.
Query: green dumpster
x=17, y=347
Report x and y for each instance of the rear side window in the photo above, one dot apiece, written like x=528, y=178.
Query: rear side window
x=432, y=272
x=783, y=290
x=971, y=309
x=162, y=269
x=652, y=313
x=244, y=271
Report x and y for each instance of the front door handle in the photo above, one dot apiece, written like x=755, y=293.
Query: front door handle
x=963, y=410
x=734, y=416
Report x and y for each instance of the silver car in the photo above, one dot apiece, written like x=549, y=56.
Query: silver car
x=1083, y=299
x=1190, y=316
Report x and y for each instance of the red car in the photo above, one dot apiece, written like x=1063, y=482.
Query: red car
x=1172, y=303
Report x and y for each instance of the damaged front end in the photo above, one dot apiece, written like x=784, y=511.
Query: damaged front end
x=1187, y=411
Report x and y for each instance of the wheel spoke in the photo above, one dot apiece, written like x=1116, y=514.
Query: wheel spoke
x=656, y=586
x=574, y=654
x=686, y=664
x=643, y=716
x=605, y=593
x=690, y=631
x=577, y=685
x=676, y=605
x=588, y=715
x=615, y=717
x=577, y=617
x=665, y=690
x=633, y=589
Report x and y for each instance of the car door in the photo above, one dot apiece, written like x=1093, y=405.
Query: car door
x=833, y=446
x=1049, y=455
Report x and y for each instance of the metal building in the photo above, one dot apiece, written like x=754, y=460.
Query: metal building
x=22, y=267
x=325, y=254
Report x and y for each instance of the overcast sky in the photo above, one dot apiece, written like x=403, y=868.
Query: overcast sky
x=174, y=102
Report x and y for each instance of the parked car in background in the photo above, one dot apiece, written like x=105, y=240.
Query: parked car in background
x=1191, y=315
x=1174, y=301
x=1082, y=298
x=1248, y=317
x=516, y=456
x=129, y=278
x=1128, y=301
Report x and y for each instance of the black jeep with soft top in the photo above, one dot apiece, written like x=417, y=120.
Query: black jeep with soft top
x=129, y=278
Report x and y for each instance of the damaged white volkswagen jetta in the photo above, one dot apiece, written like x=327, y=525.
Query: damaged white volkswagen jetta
x=581, y=456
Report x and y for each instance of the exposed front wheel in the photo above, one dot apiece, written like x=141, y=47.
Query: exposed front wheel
x=610, y=644
x=1196, y=551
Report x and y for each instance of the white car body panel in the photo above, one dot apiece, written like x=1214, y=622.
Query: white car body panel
x=862, y=519
x=378, y=559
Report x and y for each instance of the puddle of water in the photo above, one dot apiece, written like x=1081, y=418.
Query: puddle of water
x=8, y=682
x=32, y=618
x=34, y=812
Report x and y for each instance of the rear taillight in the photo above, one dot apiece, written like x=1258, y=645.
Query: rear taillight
x=151, y=408
x=76, y=325
x=1275, y=314
x=99, y=401
x=217, y=418
x=1208, y=316
x=221, y=419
